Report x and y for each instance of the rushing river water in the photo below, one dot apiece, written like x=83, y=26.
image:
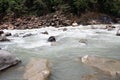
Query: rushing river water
x=63, y=55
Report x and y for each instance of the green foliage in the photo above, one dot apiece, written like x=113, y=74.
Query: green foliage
x=79, y=6
x=42, y=7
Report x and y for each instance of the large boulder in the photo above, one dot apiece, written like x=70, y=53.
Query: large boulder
x=37, y=69
x=7, y=60
x=111, y=66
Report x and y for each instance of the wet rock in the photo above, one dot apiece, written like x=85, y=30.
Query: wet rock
x=1, y=32
x=10, y=26
x=44, y=32
x=37, y=69
x=7, y=60
x=74, y=24
x=110, y=27
x=51, y=39
x=16, y=35
x=64, y=29
x=3, y=39
x=27, y=35
x=108, y=65
x=7, y=34
x=118, y=32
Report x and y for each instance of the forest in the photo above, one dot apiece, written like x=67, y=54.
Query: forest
x=42, y=7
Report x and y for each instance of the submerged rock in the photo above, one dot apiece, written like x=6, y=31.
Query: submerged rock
x=37, y=69
x=98, y=76
x=85, y=41
x=27, y=35
x=51, y=39
x=111, y=66
x=7, y=60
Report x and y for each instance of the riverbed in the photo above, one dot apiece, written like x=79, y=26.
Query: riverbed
x=64, y=54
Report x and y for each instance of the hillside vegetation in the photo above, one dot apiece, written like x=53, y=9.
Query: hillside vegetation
x=43, y=7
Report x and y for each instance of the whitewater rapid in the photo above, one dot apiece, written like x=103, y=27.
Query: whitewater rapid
x=37, y=39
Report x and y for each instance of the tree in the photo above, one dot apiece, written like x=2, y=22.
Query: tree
x=79, y=6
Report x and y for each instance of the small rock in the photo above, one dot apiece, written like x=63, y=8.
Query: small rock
x=74, y=23
x=64, y=29
x=118, y=33
x=51, y=39
x=27, y=35
x=10, y=26
x=44, y=32
x=16, y=35
x=7, y=34
x=83, y=41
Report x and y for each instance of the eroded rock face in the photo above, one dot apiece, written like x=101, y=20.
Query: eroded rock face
x=111, y=66
x=37, y=69
x=7, y=60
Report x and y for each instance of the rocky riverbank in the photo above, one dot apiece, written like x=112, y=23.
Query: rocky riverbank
x=57, y=19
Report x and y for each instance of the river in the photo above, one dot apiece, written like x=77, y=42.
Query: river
x=64, y=53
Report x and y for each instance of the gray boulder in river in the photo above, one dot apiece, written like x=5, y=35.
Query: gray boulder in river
x=111, y=66
x=7, y=60
x=37, y=69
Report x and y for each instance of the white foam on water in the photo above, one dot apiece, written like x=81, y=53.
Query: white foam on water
x=38, y=39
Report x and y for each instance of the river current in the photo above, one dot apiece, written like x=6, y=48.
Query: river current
x=64, y=54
